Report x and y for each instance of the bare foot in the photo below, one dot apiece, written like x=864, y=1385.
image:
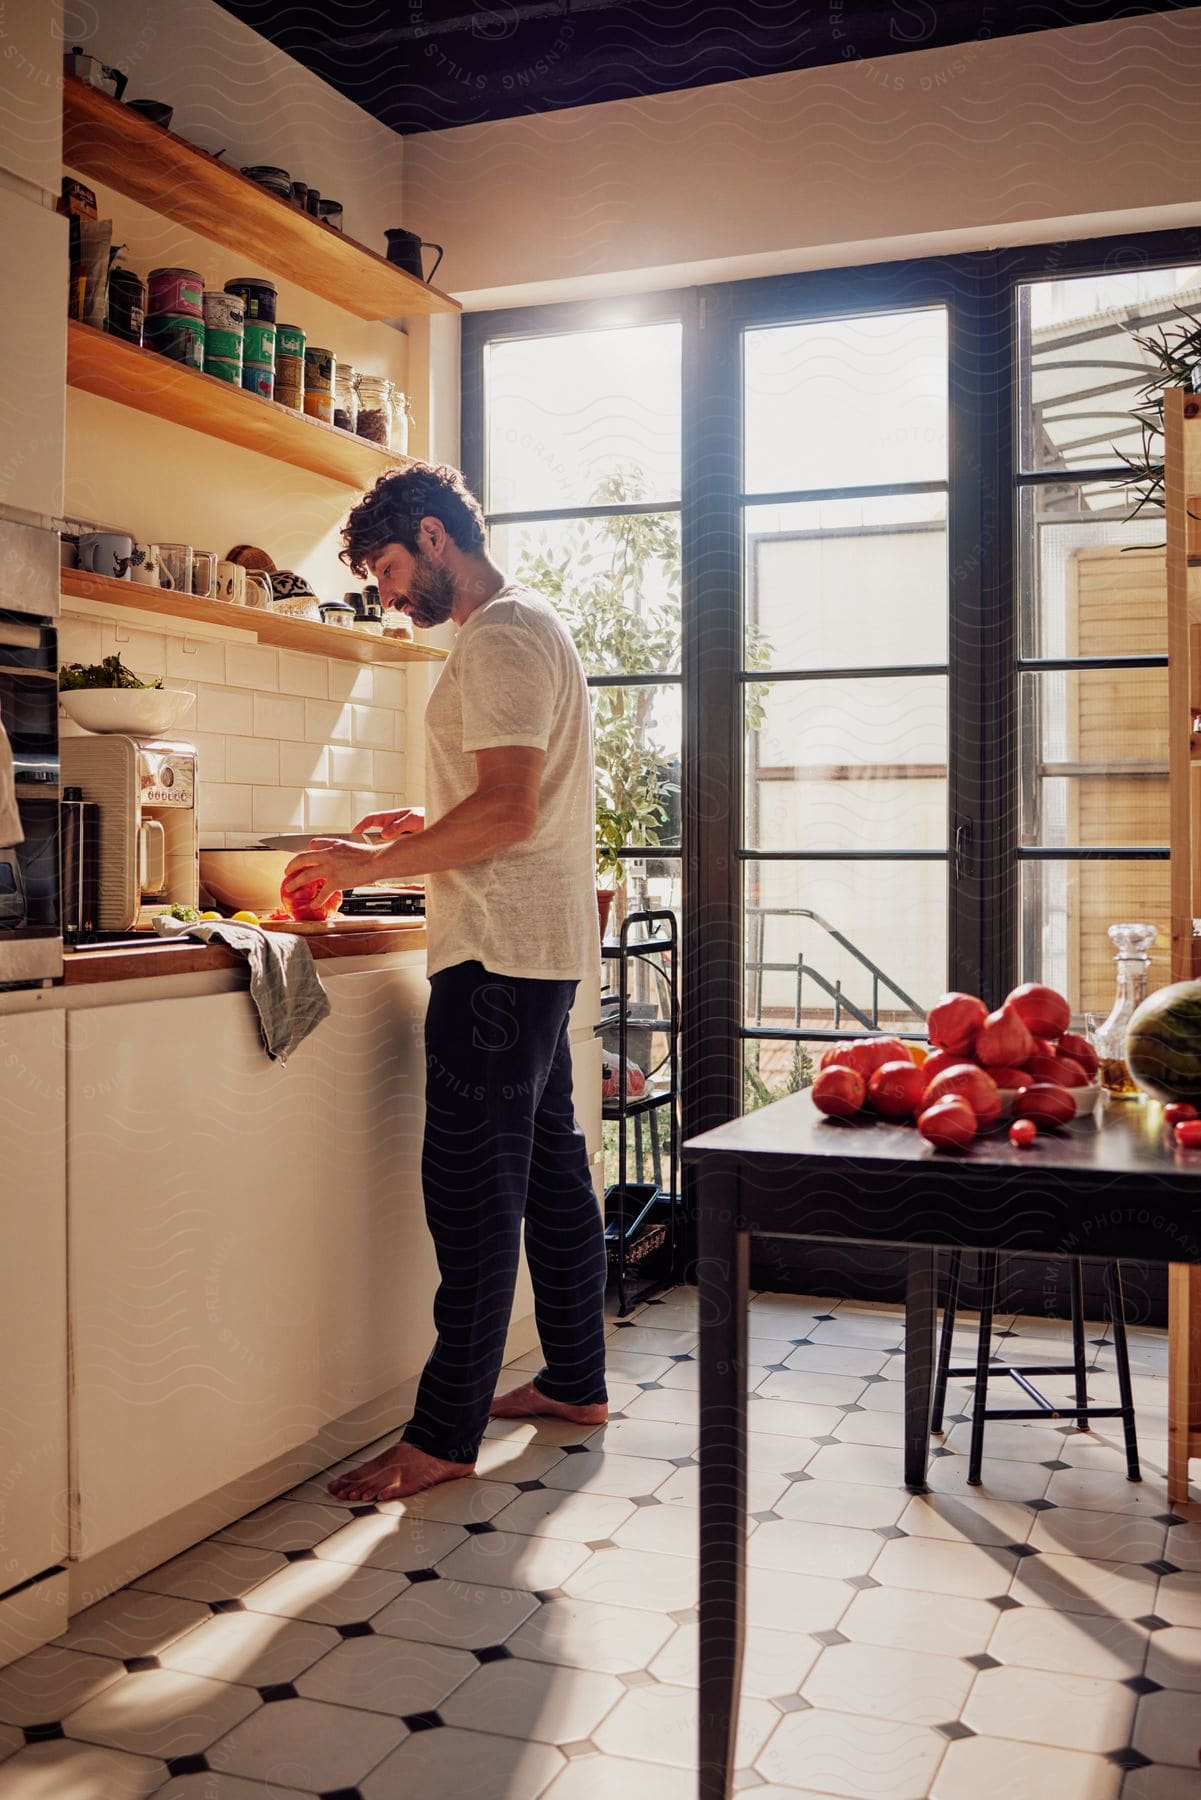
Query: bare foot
x=396, y=1473
x=528, y=1402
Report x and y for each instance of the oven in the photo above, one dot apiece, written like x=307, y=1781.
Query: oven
x=30, y=928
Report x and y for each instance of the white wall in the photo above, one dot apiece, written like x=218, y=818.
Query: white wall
x=1070, y=133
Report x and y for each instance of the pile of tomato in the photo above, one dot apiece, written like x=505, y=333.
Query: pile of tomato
x=953, y=1092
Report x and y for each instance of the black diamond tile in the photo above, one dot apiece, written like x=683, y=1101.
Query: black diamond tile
x=681, y=1462
x=278, y=1690
x=527, y=1487
x=573, y=1449
x=648, y=1387
x=941, y=1450
x=1142, y=1684
x=953, y=1729
x=623, y=1325
x=797, y=1475
x=1152, y=1622
x=862, y=1582
x=492, y=1653
x=342, y=1794
x=225, y=1606
x=479, y=1528
x=356, y=1628
x=829, y=1439
x=829, y=1638
x=1021, y=1550
x=134, y=1664
x=1004, y=1602
x=41, y=1734
x=1055, y=1464
x=871, y=1380
x=788, y=1703
x=775, y=1367
x=685, y=1356
x=362, y=1507
x=542, y=1595
x=852, y=1406
x=1041, y=1505
x=300, y=1556
x=1162, y=1567
x=421, y=1574
x=982, y=1660
x=422, y=1721
x=822, y=1318
x=889, y=1531
x=958, y=1418
x=646, y=1500
x=797, y=1342
x=187, y=1765
x=766, y=1518
x=1170, y=1518
x=1128, y=1758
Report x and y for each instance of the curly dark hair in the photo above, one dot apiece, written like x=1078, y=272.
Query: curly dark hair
x=391, y=513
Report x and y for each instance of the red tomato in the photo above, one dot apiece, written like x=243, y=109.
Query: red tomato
x=1060, y=1070
x=299, y=905
x=839, y=1091
x=1178, y=1112
x=1022, y=1133
x=1012, y=1078
x=969, y=1083
x=1080, y=1050
x=1188, y=1134
x=1004, y=1039
x=1046, y=1103
x=938, y=1060
x=864, y=1054
x=1044, y=1012
x=949, y=1124
x=954, y=1022
x=896, y=1089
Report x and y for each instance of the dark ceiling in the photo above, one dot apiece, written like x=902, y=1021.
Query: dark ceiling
x=424, y=65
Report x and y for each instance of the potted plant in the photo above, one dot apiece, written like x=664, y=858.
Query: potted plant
x=614, y=829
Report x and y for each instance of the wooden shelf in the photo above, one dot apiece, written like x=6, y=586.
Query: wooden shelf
x=270, y=628
x=101, y=364
x=107, y=141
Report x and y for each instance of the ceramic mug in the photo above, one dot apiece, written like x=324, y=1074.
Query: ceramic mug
x=231, y=583
x=204, y=574
x=258, y=589
x=106, y=553
x=175, y=561
x=144, y=566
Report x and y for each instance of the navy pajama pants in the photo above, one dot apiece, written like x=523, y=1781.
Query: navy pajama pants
x=502, y=1151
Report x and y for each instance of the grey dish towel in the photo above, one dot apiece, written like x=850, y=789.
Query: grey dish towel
x=284, y=983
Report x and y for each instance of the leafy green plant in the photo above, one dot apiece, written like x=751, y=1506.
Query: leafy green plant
x=111, y=673
x=759, y=1091
x=1175, y=352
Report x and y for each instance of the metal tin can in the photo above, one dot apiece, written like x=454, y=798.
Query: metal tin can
x=259, y=296
x=224, y=316
x=224, y=370
x=319, y=406
x=289, y=341
x=289, y=371
x=289, y=396
x=319, y=368
x=258, y=343
x=126, y=305
x=258, y=380
x=178, y=336
x=179, y=292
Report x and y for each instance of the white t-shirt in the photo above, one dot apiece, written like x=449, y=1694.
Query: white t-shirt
x=514, y=677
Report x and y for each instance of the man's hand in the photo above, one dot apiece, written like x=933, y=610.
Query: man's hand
x=393, y=825
x=334, y=864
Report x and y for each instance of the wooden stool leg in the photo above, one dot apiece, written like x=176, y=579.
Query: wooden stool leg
x=954, y=1265
x=988, y=1299
x=1117, y=1317
x=1076, y=1282
x=1184, y=1376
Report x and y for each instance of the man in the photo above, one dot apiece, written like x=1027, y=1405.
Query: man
x=507, y=849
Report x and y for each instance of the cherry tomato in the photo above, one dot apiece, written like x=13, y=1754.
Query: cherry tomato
x=1178, y=1112
x=839, y=1091
x=1188, y=1134
x=896, y=1089
x=949, y=1124
x=1023, y=1133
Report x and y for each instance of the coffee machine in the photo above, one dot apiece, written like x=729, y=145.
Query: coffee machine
x=148, y=852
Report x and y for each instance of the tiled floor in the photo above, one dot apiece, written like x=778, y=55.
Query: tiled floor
x=532, y=1632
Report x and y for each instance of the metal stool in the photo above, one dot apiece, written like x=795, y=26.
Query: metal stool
x=1043, y=1408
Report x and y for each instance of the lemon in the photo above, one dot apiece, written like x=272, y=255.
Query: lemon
x=246, y=918
x=210, y=915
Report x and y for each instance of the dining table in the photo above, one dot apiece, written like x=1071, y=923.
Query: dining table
x=1112, y=1184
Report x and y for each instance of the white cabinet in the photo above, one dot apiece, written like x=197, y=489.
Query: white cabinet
x=33, y=307
x=33, y=1298
x=31, y=97
x=248, y=1253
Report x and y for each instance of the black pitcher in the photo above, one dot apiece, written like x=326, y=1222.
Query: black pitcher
x=404, y=249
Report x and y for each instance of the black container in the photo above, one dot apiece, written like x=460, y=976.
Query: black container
x=260, y=298
x=126, y=305
x=404, y=249
x=79, y=824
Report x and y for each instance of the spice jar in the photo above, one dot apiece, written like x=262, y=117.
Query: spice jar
x=375, y=410
x=346, y=398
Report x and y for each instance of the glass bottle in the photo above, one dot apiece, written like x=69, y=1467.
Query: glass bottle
x=1133, y=960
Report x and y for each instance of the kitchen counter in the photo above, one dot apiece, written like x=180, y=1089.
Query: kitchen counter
x=175, y=956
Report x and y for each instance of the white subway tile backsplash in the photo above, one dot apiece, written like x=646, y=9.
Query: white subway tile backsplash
x=210, y=752
x=325, y=722
x=304, y=675
x=373, y=726
x=223, y=807
x=278, y=716
x=351, y=681
x=79, y=641
x=200, y=659
x=370, y=801
x=390, y=688
x=303, y=765
x=252, y=666
x=277, y=809
x=388, y=771
x=327, y=810
x=252, y=759
x=145, y=652
x=349, y=768
x=223, y=709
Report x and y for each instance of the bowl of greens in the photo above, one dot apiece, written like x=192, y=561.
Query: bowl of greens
x=106, y=696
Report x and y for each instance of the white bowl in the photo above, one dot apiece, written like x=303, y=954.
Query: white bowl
x=244, y=880
x=142, y=712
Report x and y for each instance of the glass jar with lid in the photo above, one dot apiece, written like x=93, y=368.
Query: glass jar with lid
x=346, y=397
x=375, y=409
x=1132, y=943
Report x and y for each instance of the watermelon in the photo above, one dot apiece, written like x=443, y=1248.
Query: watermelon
x=1163, y=1043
